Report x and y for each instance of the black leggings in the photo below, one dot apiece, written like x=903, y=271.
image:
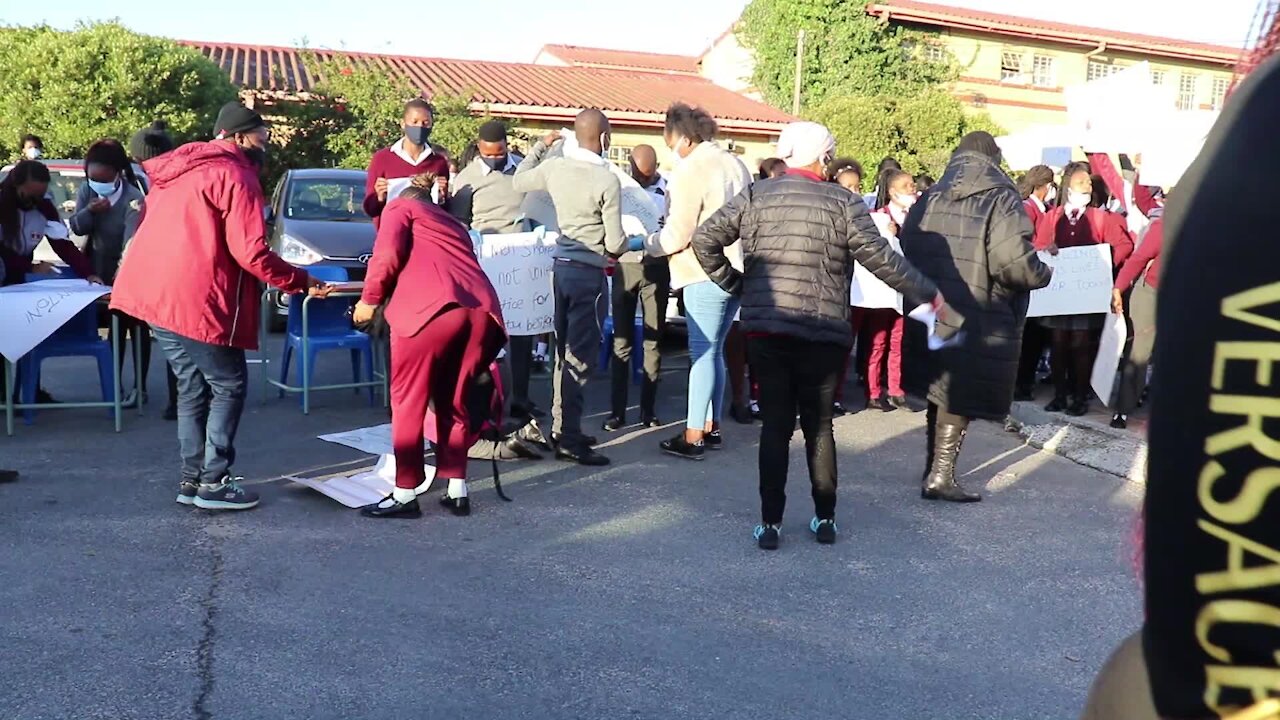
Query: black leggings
x=1073, y=354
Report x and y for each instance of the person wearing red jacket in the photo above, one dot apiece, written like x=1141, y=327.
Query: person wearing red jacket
x=409, y=156
x=1141, y=274
x=446, y=329
x=192, y=273
x=1074, y=337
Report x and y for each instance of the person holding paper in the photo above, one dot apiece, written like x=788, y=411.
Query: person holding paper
x=588, y=202
x=446, y=329
x=705, y=178
x=390, y=168
x=644, y=281
x=800, y=237
x=1074, y=337
x=1139, y=276
x=192, y=273
x=885, y=325
x=970, y=234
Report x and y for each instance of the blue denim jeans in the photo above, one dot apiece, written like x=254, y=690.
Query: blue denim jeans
x=212, y=383
x=709, y=315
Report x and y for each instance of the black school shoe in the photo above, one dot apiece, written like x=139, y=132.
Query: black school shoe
x=1120, y=422
x=590, y=440
x=680, y=447
x=1079, y=408
x=581, y=454
x=614, y=424
x=881, y=404
x=458, y=506
x=650, y=422
x=1058, y=404
x=388, y=507
x=714, y=440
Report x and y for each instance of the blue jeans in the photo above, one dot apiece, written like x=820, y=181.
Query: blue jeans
x=709, y=314
x=212, y=383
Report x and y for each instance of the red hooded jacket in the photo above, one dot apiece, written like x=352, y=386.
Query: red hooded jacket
x=194, y=264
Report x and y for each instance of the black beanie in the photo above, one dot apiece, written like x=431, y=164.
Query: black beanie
x=236, y=118
x=980, y=141
x=150, y=141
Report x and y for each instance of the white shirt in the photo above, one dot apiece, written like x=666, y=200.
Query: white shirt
x=658, y=193
x=33, y=225
x=398, y=149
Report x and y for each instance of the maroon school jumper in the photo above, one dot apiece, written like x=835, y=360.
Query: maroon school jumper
x=387, y=164
x=446, y=328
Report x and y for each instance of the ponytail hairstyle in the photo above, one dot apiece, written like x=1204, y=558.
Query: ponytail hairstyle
x=420, y=187
x=1036, y=177
x=887, y=178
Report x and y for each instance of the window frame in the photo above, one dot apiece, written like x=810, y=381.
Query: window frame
x=1051, y=63
x=1193, y=94
x=1218, y=89
x=1013, y=73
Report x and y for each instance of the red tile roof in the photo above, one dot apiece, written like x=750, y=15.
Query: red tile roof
x=923, y=13
x=512, y=89
x=624, y=59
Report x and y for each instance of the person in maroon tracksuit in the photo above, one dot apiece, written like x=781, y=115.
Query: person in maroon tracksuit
x=446, y=328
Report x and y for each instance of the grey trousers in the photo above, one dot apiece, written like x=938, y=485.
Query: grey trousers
x=648, y=285
x=1133, y=366
x=580, y=311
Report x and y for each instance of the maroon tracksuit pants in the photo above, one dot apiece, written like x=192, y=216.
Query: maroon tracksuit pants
x=438, y=367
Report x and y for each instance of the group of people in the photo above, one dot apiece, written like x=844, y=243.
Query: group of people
x=762, y=265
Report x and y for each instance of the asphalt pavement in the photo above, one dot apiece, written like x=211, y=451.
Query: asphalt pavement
x=633, y=591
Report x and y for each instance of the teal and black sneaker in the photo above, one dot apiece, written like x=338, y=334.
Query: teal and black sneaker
x=767, y=536
x=825, y=530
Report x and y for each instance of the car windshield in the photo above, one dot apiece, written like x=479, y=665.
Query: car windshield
x=63, y=188
x=326, y=199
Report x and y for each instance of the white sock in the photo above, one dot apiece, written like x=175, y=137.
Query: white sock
x=457, y=488
x=403, y=495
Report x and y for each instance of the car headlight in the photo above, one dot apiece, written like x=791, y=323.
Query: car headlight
x=296, y=252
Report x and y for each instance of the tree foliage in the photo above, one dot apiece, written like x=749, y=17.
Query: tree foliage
x=355, y=109
x=102, y=80
x=920, y=131
x=846, y=52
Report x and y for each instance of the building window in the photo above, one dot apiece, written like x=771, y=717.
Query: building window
x=1042, y=72
x=934, y=53
x=1220, y=85
x=1157, y=77
x=1011, y=67
x=1187, y=91
x=620, y=156
x=1099, y=69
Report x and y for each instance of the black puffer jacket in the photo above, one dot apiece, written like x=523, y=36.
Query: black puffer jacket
x=800, y=238
x=971, y=235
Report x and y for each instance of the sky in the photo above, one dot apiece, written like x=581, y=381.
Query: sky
x=512, y=31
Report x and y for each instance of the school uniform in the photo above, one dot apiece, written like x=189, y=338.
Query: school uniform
x=394, y=163
x=1077, y=228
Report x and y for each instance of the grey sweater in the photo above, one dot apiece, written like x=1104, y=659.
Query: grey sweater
x=588, y=200
x=485, y=200
x=108, y=232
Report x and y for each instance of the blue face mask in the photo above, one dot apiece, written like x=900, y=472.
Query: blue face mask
x=102, y=189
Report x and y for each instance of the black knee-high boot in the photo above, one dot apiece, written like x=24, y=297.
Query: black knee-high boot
x=948, y=433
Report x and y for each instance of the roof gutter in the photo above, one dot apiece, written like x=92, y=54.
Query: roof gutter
x=1102, y=47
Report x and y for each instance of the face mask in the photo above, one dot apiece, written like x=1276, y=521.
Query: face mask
x=32, y=153
x=1078, y=199
x=604, y=144
x=496, y=164
x=418, y=134
x=102, y=189
x=257, y=156
x=904, y=201
x=1051, y=195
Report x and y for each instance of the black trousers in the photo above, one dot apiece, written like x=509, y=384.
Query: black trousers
x=520, y=356
x=647, y=285
x=1133, y=366
x=1034, y=340
x=796, y=376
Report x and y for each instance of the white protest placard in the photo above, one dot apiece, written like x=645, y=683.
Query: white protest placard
x=1081, y=283
x=1110, y=350
x=868, y=291
x=31, y=312
x=519, y=266
x=1114, y=114
x=1173, y=144
x=365, y=487
x=395, y=186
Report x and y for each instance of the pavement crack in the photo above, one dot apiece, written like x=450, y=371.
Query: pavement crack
x=209, y=634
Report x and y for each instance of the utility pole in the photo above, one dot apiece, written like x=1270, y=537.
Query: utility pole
x=795, y=94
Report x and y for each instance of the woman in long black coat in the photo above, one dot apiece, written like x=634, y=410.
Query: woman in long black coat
x=970, y=235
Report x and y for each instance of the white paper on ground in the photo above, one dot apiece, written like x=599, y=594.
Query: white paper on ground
x=31, y=312
x=374, y=440
x=926, y=315
x=1107, y=362
x=366, y=487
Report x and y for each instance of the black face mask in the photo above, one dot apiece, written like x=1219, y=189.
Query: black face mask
x=495, y=163
x=418, y=134
x=257, y=156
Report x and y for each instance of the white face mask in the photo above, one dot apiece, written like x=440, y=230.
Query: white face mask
x=904, y=201
x=1051, y=195
x=1078, y=199
x=32, y=153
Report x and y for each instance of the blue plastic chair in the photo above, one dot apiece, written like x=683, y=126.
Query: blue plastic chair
x=329, y=328
x=77, y=338
x=637, y=348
